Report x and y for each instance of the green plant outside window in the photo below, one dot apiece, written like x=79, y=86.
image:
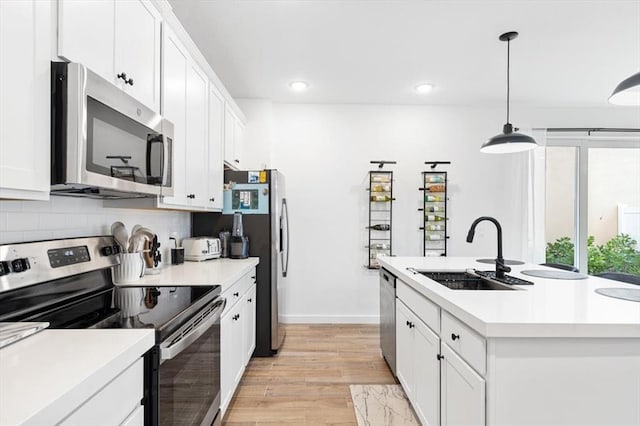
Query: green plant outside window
x=616, y=255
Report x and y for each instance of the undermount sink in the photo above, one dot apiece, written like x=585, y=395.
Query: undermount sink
x=464, y=281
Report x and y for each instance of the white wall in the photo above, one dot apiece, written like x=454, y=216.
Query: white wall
x=324, y=152
x=66, y=217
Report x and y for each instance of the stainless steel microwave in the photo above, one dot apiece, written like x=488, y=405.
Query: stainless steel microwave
x=104, y=143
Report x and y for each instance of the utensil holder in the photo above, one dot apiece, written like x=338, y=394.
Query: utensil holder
x=130, y=269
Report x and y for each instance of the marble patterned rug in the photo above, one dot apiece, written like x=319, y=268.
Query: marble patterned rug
x=382, y=405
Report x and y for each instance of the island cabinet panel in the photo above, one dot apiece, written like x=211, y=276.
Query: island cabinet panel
x=465, y=342
x=462, y=392
x=426, y=310
x=568, y=381
x=417, y=364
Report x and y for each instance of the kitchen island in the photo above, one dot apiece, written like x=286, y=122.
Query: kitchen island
x=551, y=353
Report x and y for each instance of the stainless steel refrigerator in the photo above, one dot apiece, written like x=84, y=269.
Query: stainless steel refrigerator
x=260, y=196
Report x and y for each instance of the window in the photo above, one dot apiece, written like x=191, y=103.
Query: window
x=592, y=217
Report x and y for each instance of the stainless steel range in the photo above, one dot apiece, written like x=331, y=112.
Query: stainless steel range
x=68, y=284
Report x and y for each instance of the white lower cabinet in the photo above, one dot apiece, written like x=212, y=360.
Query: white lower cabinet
x=237, y=334
x=417, y=364
x=462, y=391
x=438, y=368
x=117, y=403
x=249, y=323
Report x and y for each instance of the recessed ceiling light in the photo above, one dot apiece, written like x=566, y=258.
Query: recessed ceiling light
x=424, y=88
x=299, y=86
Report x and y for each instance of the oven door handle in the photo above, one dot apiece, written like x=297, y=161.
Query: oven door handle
x=170, y=348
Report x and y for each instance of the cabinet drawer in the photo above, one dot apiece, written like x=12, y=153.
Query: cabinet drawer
x=113, y=403
x=235, y=292
x=425, y=309
x=466, y=342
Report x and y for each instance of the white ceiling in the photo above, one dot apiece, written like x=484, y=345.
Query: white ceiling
x=569, y=53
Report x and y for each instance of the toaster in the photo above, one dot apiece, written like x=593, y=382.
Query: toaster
x=201, y=248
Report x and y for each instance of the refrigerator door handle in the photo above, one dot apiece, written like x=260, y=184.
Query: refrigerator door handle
x=285, y=256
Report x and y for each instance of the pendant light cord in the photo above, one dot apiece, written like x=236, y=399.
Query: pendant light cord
x=508, y=58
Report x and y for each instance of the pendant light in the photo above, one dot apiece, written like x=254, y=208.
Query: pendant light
x=627, y=92
x=508, y=141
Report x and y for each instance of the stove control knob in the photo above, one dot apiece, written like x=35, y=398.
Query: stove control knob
x=20, y=265
x=107, y=251
x=4, y=268
x=116, y=249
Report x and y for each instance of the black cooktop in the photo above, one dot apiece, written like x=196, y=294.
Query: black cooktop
x=90, y=300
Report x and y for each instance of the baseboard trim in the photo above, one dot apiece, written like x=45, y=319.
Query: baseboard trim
x=330, y=319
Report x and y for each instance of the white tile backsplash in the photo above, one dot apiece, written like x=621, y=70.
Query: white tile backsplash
x=22, y=221
x=67, y=217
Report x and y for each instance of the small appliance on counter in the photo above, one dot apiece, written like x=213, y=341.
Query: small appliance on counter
x=197, y=249
x=239, y=243
x=225, y=236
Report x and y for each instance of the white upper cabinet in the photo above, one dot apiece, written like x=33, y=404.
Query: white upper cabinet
x=119, y=40
x=86, y=34
x=25, y=73
x=197, y=118
x=137, y=50
x=215, y=147
x=233, y=138
x=175, y=61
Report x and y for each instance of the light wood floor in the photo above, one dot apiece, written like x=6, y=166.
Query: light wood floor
x=307, y=383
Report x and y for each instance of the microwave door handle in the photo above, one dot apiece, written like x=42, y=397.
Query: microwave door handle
x=169, y=351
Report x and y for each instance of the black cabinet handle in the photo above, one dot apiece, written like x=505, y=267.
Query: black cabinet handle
x=249, y=300
x=440, y=357
x=236, y=294
x=212, y=199
x=123, y=76
x=192, y=196
x=412, y=325
x=237, y=161
x=408, y=323
x=454, y=336
x=236, y=316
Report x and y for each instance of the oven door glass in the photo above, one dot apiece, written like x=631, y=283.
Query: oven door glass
x=122, y=148
x=190, y=382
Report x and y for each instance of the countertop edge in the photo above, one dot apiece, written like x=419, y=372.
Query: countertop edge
x=515, y=330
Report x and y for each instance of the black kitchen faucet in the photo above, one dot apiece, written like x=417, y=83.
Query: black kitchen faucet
x=501, y=268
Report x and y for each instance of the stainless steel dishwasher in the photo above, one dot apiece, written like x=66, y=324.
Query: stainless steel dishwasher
x=388, y=318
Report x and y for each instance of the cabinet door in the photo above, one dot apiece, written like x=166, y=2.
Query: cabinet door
x=238, y=143
x=215, y=148
x=196, y=137
x=137, y=50
x=249, y=323
x=86, y=34
x=462, y=392
x=404, y=347
x=25, y=42
x=229, y=129
x=231, y=353
x=174, y=105
x=426, y=373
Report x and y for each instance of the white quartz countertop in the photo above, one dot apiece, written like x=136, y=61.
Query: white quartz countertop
x=46, y=376
x=549, y=308
x=222, y=272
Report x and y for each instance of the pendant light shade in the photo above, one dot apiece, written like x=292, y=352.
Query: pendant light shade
x=627, y=92
x=508, y=141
